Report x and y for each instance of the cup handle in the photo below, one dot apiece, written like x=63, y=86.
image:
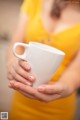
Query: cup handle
x=22, y=56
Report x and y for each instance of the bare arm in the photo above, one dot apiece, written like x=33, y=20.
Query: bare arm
x=19, y=35
x=19, y=70
x=72, y=74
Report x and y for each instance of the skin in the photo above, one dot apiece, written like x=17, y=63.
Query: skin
x=19, y=71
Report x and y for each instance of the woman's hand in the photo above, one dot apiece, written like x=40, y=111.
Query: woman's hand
x=20, y=71
x=44, y=93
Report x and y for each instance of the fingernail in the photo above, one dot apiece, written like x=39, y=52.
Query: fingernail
x=31, y=78
x=27, y=67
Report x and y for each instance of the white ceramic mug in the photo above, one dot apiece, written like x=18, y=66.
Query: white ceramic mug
x=44, y=60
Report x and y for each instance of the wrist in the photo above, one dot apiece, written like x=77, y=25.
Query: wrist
x=67, y=87
x=71, y=79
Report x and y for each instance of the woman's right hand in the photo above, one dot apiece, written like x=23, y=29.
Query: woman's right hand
x=20, y=71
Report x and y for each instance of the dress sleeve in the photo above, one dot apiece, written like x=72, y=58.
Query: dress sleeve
x=28, y=7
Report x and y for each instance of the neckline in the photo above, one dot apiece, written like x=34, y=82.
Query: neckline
x=61, y=32
x=58, y=33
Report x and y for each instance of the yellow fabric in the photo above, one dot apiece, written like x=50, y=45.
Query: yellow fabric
x=24, y=108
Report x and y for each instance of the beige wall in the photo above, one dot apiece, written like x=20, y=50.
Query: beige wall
x=9, y=11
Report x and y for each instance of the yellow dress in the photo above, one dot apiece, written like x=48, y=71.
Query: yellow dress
x=24, y=108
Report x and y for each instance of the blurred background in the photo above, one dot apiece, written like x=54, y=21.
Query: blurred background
x=9, y=12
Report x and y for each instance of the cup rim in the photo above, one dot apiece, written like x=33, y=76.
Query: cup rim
x=52, y=49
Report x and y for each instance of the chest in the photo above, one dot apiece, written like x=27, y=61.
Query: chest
x=64, y=36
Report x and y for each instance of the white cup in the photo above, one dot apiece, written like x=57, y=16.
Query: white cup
x=44, y=60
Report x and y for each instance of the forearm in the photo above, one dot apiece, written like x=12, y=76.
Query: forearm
x=19, y=36
x=72, y=74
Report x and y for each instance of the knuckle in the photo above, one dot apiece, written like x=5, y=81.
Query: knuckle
x=21, y=62
x=25, y=65
x=17, y=69
x=15, y=75
x=22, y=72
x=22, y=79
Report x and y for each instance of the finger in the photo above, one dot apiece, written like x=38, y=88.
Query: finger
x=35, y=95
x=24, y=88
x=41, y=98
x=31, y=91
x=19, y=70
x=11, y=84
x=25, y=65
x=54, y=97
x=56, y=88
x=25, y=94
x=9, y=76
x=19, y=78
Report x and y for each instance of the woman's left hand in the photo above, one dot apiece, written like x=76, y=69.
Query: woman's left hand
x=44, y=93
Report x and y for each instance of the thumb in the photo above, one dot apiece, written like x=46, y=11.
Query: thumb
x=54, y=88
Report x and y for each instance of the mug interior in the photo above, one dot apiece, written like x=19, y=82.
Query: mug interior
x=47, y=48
